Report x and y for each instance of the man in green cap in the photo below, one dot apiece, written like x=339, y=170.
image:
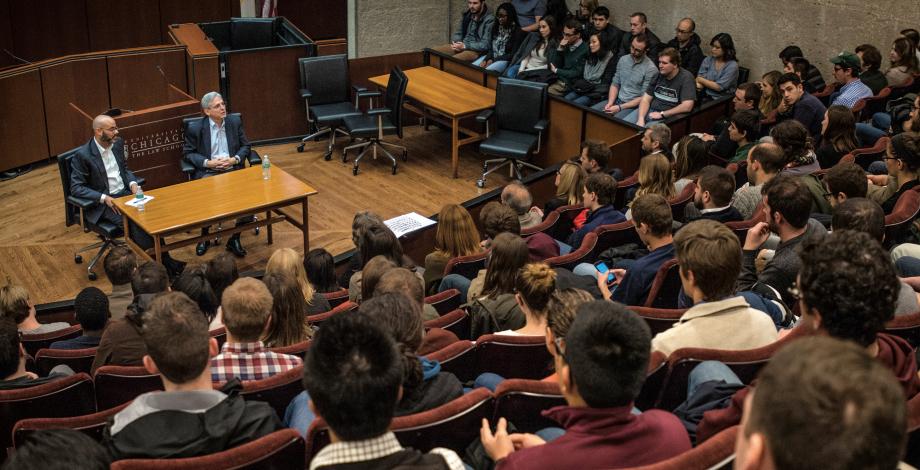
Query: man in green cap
x=846, y=72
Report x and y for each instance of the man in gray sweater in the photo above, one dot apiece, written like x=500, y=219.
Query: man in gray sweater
x=474, y=35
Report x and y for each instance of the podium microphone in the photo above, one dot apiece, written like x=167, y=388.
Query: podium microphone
x=16, y=57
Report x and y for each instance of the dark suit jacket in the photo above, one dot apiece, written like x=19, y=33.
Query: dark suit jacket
x=197, y=146
x=88, y=179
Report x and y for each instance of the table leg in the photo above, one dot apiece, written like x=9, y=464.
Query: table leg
x=157, y=250
x=455, y=144
x=304, y=227
x=268, y=216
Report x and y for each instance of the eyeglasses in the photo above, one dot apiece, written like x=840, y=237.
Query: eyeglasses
x=568, y=35
x=637, y=50
x=837, y=69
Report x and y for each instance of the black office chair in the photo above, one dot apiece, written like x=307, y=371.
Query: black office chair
x=520, y=108
x=324, y=89
x=378, y=122
x=73, y=214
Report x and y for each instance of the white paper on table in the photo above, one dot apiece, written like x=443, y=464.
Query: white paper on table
x=135, y=202
x=407, y=223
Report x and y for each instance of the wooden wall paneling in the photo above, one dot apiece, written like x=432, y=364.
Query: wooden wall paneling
x=492, y=81
x=49, y=28
x=207, y=76
x=627, y=153
x=197, y=11
x=264, y=86
x=473, y=74
x=82, y=82
x=136, y=83
x=202, y=66
x=331, y=47
x=563, y=138
x=123, y=24
x=361, y=69
x=614, y=132
x=319, y=19
x=153, y=141
x=23, y=138
x=6, y=35
x=703, y=121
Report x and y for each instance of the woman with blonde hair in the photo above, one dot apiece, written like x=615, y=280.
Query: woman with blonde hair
x=289, y=323
x=771, y=96
x=533, y=285
x=570, y=184
x=689, y=158
x=655, y=177
x=456, y=236
x=290, y=263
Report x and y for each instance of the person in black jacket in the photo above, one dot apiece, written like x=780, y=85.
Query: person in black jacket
x=687, y=43
x=601, y=23
x=189, y=418
x=638, y=24
x=507, y=37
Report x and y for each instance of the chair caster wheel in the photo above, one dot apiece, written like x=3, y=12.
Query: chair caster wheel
x=257, y=230
x=344, y=156
x=77, y=259
x=354, y=171
x=327, y=156
x=405, y=156
x=480, y=183
x=394, y=168
x=92, y=276
x=300, y=148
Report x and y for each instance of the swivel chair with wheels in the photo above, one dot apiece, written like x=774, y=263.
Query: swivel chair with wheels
x=520, y=109
x=324, y=89
x=108, y=233
x=378, y=122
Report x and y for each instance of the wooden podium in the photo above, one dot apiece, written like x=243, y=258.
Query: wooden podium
x=153, y=136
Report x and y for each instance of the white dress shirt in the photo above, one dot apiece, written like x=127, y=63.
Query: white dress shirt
x=111, y=170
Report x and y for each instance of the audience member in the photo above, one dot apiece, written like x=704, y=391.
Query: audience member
x=744, y=130
x=747, y=97
x=812, y=79
x=772, y=95
x=634, y=73
x=652, y=216
x=288, y=324
x=496, y=218
x=846, y=73
x=530, y=12
x=516, y=196
x=903, y=62
x=797, y=147
x=508, y=255
x=600, y=190
x=119, y=265
x=800, y=66
x=914, y=36
x=506, y=38
x=320, y=268
x=800, y=105
x=594, y=156
x=764, y=161
x=531, y=61
x=122, y=343
x=583, y=13
x=601, y=371
x=372, y=272
x=638, y=24
x=838, y=135
x=570, y=183
x=91, y=308
x=656, y=139
x=786, y=204
x=378, y=239
x=359, y=225
x=221, y=271
x=841, y=395
x=194, y=283
x=402, y=281
x=903, y=162
x=247, y=309
x=13, y=372
x=456, y=236
x=472, y=37
x=687, y=42
x=602, y=24
x=289, y=263
x=568, y=63
x=847, y=181
x=871, y=63
x=534, y=284
x=190, y=417
x=655, y=177
x=57, y=449
x=689, y=158
x=671, y=93
x=712, y=196
x=352, y=374
x=16, y=305
x=718, y=74
x=710, y=260
x=594, y=82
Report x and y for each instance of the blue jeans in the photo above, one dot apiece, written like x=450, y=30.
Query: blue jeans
x=497, y=66
x=907, y=266
x=564, y=248
x=619, y=115
x=488, y=380
x=512, y=71
x=881, y=121
x=867, y=134
x=550, y=434
x=633, y=117
x=578, y=99
x=878, y=168
x=709, y=371
x=298, y=414
x=456, y=281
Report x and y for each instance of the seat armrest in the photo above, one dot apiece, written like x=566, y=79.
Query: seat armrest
x=141, y=181
x=304, y=93
x=377, y=111
x=357, y=89
x=541, y=125
x=186, y=166
x=485, y=115
x=80, y=202
x=254, y=159
x=369, y=94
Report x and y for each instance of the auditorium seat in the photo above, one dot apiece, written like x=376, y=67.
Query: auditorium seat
x=680, y=201
x=80, y=360
x=32, y=343
x=296, y=349
x=717, y=453
x=444, y=302
x=549, y=220
x=623, y=190
x=655, y=376
x=116, y=385
x=899, y=221
x=467, y=266
x=906, y=327
x=92, y=424
x=321, y=317
x=913, y=431
x=614, y=235
x=457, y=322
x=520, y=401
x=658, y=319
x=458, y=359
x=564, y=227
x=336, y=298
x=665, y=287
x=586, y=253
x=866, y=155
x=277, y=390
x=523, y=357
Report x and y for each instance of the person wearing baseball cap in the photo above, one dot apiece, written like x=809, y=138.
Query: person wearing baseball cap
x=846, y=72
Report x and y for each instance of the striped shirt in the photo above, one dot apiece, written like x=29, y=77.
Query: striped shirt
x=249, y=361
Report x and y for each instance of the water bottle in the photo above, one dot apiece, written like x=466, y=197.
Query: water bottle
x=266, y=168
x=139, y=196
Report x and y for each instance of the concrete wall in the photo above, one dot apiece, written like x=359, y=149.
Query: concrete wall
x=760, y=29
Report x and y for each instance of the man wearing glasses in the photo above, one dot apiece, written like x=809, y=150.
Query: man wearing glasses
x=635, y=72
x=687, y=43
x=569, y=62
x=846, y=72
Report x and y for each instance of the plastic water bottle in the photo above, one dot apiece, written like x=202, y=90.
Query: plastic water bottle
x=139, y=196
x=266, y=168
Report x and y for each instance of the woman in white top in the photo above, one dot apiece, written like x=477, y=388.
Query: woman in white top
x=534, y=285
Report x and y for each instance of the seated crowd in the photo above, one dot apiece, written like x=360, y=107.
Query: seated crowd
x=783, y=247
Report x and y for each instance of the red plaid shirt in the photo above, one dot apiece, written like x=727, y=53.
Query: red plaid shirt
x=249, y=361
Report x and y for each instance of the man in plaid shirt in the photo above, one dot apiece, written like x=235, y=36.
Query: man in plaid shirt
x=247, y=308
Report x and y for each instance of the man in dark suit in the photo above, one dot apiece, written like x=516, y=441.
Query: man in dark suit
x=216, y=144
x=99, y=172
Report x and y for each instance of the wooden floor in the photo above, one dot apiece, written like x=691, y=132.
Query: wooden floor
x=36, y=250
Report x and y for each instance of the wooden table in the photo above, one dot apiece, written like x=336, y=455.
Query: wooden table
x=195, y=204
x=449, y=96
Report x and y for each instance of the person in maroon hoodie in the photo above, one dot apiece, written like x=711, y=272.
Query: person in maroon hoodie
x=847, y=289
x=601, y=364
